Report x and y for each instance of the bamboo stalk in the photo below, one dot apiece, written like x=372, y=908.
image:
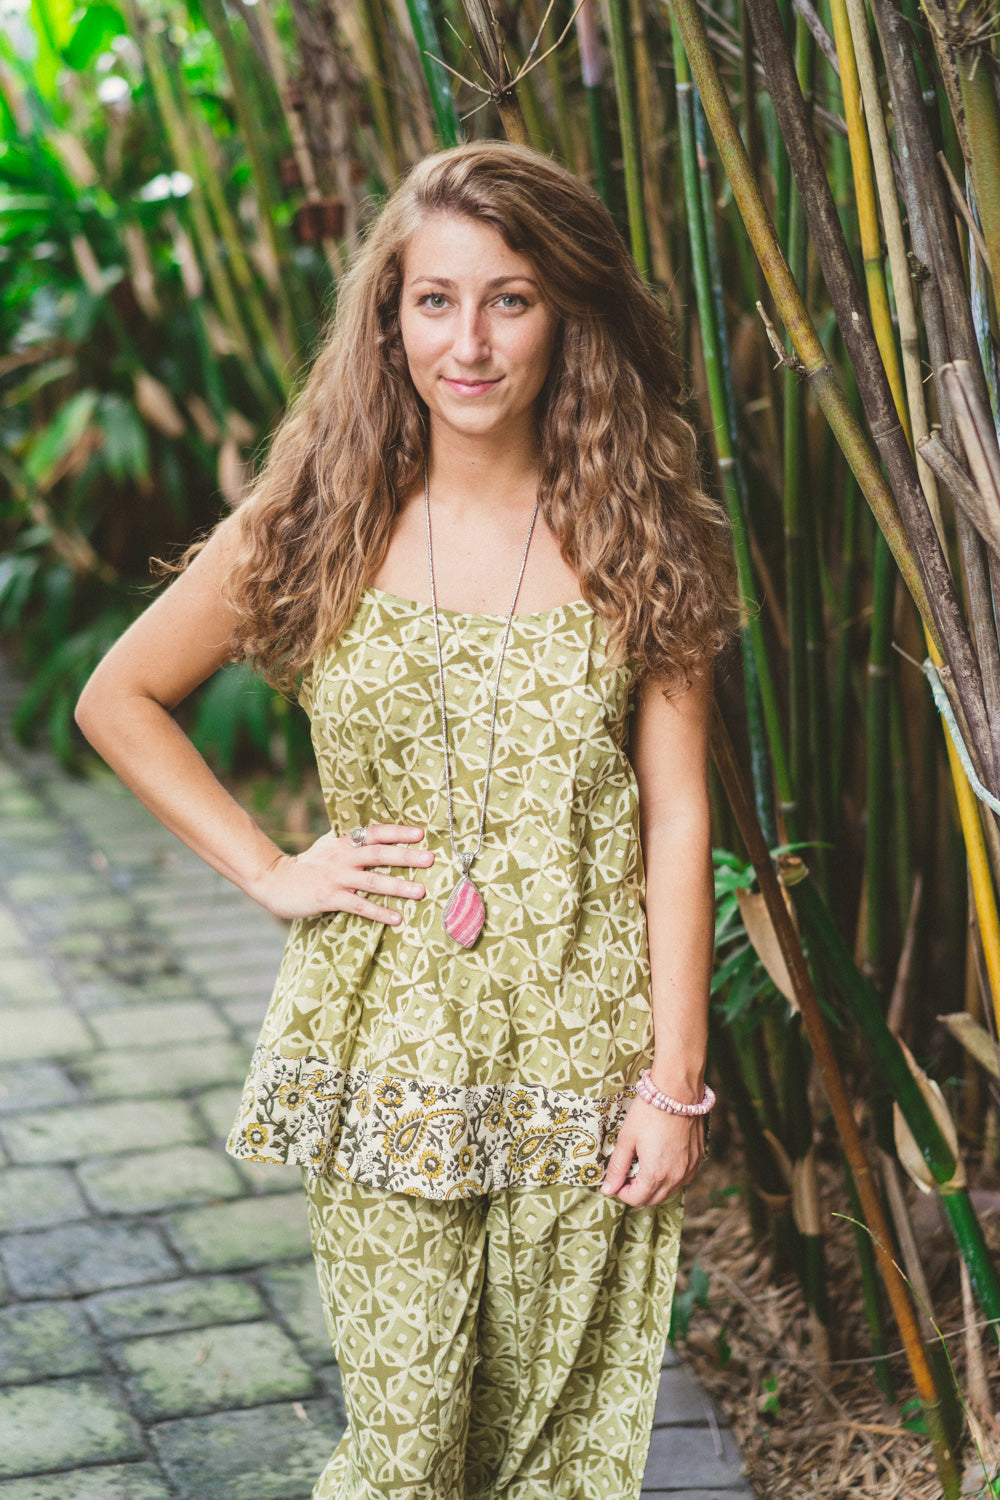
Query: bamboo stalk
x=823, y=382
x=840, y=1103
x=378, y=74
x=881, y=1367
x=425, y=35
x=902, y=286
x=982, y=123
x=932, y=228
x=712, y=324
x=592, y=76
x=628, y=122
x=252, y=132
x=860, y=343
x=296, y=130
x=242, y=274
x=651, y=131
x=541, y=29
x=488, y=38
x=962, y=489
x=877, y=737
x=177, y=134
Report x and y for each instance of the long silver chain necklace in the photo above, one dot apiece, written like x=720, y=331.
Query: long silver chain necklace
x=465, y=912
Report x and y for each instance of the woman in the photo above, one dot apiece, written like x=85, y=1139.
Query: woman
x=480, y=547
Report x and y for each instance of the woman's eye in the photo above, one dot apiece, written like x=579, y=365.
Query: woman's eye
x=512, y=299
x=435, y=300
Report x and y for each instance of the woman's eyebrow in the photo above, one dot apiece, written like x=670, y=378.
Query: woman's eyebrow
x=497, y=281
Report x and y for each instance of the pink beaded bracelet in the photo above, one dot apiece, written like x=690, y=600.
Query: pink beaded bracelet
x=647, y=1090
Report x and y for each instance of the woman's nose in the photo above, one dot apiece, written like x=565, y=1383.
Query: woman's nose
x=471, y=343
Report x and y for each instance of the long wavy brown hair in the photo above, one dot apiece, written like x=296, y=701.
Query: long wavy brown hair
x=619, y=482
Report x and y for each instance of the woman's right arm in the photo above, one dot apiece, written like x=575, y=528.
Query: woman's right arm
x=126, y=712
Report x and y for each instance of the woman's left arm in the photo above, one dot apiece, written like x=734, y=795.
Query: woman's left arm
x=670, y=757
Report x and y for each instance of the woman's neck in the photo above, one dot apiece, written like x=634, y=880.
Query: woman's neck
x=491, y=475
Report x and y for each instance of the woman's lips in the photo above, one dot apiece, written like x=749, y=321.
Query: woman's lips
x=470, y=387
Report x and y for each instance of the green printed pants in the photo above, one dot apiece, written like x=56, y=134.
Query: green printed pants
x=504, y=1345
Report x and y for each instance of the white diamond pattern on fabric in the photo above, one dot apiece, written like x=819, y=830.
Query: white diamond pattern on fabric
x=552, y=1001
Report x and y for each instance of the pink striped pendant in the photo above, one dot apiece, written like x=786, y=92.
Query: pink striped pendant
x=465, y=913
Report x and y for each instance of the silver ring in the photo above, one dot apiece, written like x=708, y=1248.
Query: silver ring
x=359, y=837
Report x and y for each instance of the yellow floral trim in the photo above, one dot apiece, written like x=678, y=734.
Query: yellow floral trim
x=428, y=1139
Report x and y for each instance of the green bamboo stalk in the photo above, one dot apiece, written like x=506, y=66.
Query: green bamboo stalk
x=592, y=76
x=878, y=768
x=870, y=1291
x=844, y=633
x=792, y=427
x=821, y=779
x=425, y=34
x=840, y=1103
x=622, y=66
x=755, y=655
x=769, y=1190
x=762, y=723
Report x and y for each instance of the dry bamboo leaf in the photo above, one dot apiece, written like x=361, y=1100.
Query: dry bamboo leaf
x=187, y=261
x=760, y=931
x=975, y=1039
x=87, y=264
x=805, y=1195
x=219, y=337
x=909, y=1153
x=232, y=472
x=74, y=157
x=240, y=428
x=203, y=419
x=781, y=1155
x=157, y=405
x=141, y=272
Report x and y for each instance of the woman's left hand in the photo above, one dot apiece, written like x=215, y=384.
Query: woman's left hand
x=670, y=1149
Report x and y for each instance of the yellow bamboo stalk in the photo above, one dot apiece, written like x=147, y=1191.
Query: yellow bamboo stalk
x=892, y=225
x=979, y=864
x=867, y=209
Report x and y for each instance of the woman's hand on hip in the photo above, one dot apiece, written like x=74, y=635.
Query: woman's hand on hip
x=669, y=1147
x=334, y=874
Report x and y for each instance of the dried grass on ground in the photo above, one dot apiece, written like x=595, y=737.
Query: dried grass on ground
x=806, y=1430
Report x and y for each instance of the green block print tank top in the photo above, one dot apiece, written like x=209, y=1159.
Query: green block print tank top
x=392, y=1056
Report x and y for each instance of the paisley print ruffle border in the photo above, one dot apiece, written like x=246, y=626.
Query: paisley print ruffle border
x=431, y=1140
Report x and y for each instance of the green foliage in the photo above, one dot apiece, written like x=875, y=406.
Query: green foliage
x=695, y=1294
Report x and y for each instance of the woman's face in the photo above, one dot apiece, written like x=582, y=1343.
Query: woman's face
x=477, y=332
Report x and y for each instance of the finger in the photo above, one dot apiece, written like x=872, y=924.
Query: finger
x=393, y=833
x=359, y=907
x=636, y=1192
x=388, y=885
x=394, y=854
x=618, y=1168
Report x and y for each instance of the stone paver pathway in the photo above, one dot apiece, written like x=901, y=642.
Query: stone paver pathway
x=161, y=1336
